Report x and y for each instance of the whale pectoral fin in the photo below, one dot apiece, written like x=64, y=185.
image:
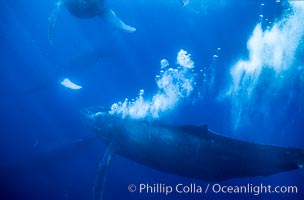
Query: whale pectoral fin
x=109, y=16
x=102, y=172
x=53, y=20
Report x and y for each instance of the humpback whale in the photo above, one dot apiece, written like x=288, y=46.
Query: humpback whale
x=188, y=150
x=87, y=9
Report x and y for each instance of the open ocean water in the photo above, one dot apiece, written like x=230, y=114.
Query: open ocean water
x=245, y=80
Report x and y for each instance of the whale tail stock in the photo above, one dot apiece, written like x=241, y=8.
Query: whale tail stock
x=109, y=16
x=301, y=163
x=301, y=160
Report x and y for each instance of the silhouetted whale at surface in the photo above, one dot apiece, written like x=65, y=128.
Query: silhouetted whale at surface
x=87, y=9
x=190, y=151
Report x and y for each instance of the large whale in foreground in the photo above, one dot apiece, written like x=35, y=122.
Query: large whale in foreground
x=190, y=151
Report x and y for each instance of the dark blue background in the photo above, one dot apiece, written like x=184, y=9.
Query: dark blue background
x=39, y=115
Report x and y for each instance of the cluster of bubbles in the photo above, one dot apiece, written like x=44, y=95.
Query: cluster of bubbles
x=271, y=55
x=174, y=84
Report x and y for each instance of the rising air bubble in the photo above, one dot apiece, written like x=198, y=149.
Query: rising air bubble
x=174, y=84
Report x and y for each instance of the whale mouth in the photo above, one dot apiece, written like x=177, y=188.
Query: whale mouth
x=90, y=115
x=93, y=110
x=98, y=119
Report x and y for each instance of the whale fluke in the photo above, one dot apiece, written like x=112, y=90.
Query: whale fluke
x=185, y=2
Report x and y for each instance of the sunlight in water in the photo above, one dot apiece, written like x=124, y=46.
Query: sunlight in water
x=271, y=55
x=173, y=84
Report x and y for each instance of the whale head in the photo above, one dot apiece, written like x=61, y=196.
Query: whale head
x=106, y=126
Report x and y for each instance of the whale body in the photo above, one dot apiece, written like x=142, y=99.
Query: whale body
x=87, y=9
x=191, y=151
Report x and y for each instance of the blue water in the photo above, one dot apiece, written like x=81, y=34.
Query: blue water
x=39, y=117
